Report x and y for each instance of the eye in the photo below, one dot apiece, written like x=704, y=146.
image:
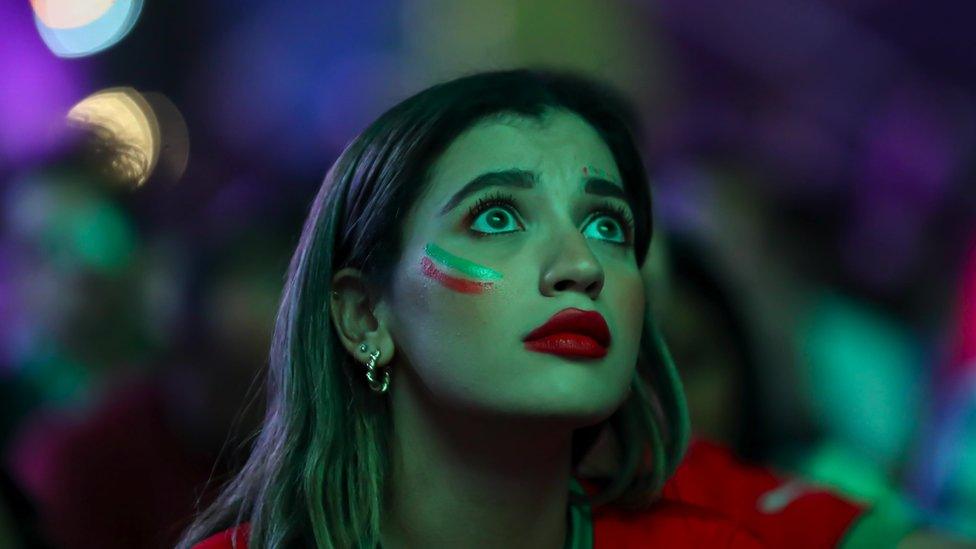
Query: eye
x=618, y=232
x=499, y=208
x=608, y=228
x=500, y=218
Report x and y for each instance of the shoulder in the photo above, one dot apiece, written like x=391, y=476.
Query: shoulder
x=226, y=539
x=778, y=508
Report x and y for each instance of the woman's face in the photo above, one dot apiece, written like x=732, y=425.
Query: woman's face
x=469, y=287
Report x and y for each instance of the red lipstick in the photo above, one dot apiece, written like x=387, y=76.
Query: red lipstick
x=571, y=332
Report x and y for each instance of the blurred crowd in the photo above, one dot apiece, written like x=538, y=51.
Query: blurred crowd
x=813, y=264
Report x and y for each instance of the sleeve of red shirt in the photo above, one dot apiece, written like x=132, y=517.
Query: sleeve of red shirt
x=780, y=510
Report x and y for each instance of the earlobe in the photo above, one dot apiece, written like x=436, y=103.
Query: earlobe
x=383, y=334
x=357, y=321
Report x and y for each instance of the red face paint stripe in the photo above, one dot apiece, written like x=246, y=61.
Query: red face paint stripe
x=456, y=284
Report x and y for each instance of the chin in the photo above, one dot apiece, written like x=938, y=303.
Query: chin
x=580, y=410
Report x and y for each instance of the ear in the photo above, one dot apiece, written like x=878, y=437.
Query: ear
x=358, y=319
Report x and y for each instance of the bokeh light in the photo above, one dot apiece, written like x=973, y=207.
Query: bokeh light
x=174, y=138
x=70, y=223
x=863, y=378
x=70, y=14
x=123, y=124
x=84, y=27
x=944, y=472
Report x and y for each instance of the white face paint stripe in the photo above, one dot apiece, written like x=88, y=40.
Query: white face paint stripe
x=778, y=498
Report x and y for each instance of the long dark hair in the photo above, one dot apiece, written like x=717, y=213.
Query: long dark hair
x=318, y=469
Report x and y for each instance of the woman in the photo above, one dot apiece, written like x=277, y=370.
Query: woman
x=418, y=393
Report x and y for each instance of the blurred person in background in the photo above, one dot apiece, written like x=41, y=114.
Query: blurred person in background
x=154, y=433
x=854, y=364
x=721, y=378
x=70, y=265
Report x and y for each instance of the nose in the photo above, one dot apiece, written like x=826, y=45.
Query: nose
x=570, y=265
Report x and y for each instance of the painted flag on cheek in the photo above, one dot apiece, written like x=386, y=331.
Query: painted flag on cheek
x=456, y=273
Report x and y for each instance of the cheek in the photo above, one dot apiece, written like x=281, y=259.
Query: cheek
x=443, y=314
x=456, y=298
x=630, y=300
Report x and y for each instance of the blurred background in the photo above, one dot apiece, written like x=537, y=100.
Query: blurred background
x=812, y=165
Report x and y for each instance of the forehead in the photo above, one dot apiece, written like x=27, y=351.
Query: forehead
x=557, y=146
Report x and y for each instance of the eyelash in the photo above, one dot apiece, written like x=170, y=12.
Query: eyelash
x=615, y=211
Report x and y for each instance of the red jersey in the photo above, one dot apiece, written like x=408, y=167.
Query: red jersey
x=712, y=500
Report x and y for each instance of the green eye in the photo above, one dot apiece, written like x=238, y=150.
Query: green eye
x=500, y=208
x=501, y=220
x=613, y=232
x=494, y=219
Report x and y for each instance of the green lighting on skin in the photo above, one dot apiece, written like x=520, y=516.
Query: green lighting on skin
x=590, y=170
x=469, y=268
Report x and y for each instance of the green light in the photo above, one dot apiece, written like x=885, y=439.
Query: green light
x=101, y=236
x=60, y=379
x=863, y=373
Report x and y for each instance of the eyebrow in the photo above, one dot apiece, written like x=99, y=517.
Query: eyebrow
x=525, y=179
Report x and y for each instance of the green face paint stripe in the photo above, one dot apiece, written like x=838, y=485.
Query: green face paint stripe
x=454, y=262
x=462, y=285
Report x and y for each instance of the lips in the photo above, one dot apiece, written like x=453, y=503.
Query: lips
x=571, y=333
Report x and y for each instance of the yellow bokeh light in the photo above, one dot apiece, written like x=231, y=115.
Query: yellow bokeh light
x=121, y=119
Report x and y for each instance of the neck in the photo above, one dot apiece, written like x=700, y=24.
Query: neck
x=474, y=481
